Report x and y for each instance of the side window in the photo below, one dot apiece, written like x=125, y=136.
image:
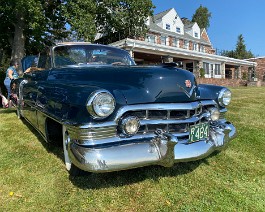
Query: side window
x=44, y=61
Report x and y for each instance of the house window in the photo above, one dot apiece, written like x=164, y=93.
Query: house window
x=196, y=35
x=168, y=26
x=211, y=70
x=202, y=48
x=163, y=40
x=186, y=44
x=206, y=68
x=217, y=70
x=150, y=38
x=175, y=42
x=195, y=46
x=178, y=30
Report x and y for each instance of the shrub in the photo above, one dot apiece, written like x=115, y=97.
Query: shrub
x=202, y=72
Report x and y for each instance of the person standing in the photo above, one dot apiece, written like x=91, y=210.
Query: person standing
x=11, y=74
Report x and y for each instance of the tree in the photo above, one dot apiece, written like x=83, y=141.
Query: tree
x=121, y=19
x=202, y=17
x=240, y=52
x=37, y=23
x=31, y=23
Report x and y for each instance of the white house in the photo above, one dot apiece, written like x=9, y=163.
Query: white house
x=171, y=38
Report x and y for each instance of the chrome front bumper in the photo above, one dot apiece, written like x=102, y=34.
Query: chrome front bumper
x=163, y=149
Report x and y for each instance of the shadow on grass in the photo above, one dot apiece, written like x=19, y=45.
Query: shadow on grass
x=119, y=178
x=126, y=177
x=8, y=110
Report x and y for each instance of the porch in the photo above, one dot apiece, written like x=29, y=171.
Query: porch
x=202, y=64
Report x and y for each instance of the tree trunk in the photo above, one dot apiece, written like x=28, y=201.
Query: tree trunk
x=18, y=45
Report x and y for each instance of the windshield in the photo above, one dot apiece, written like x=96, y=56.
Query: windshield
x=90, y=55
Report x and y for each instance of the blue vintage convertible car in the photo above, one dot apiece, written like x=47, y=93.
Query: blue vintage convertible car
x=110, y=114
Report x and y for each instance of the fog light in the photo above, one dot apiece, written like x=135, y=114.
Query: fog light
x=214, y=114
x=130, y=125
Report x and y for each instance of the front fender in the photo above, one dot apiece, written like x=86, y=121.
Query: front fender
x=67, y=103
x=209, y=91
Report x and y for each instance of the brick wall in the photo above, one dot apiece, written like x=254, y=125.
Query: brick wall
x=205, y=37
x=260, y=68
x=190, y=45
x=229, y=82
x=222, y=82
x=181, y=43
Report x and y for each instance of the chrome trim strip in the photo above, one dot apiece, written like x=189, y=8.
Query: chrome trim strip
x=169, y=121
x=164, y=106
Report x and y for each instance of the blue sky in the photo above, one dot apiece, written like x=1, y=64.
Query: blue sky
x=230, y=18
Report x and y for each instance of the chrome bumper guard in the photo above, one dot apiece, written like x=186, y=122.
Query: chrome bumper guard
x=163, y=149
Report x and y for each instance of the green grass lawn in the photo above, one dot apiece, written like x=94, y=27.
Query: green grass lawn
x=33, y=177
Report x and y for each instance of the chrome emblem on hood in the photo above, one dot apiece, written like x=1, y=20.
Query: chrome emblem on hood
x=188, y=83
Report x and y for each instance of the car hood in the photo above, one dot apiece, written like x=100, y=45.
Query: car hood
x=138, y=84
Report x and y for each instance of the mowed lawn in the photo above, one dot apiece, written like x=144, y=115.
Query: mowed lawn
x=33, y=177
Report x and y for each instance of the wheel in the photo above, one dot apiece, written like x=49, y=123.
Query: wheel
x=71, y=168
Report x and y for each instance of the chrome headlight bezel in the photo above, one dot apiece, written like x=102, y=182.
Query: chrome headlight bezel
x=101, y=104
x=224, y=97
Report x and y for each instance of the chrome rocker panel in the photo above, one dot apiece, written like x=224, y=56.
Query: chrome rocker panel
x=163, y=149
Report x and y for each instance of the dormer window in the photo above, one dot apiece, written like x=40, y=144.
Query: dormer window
x=196, y=35
x=168, y=26
x=178, y=29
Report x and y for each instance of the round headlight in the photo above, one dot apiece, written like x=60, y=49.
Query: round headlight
x=130, y=125
x=224, y=97
x=214, y=114
x=101, y=104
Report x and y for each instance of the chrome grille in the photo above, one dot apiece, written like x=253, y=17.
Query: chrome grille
x=174, y=118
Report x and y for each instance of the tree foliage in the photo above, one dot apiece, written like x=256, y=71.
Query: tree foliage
x=120, y=19
x=240, y=52
x=80, y=16
x=29, y=25
x=202, y=17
